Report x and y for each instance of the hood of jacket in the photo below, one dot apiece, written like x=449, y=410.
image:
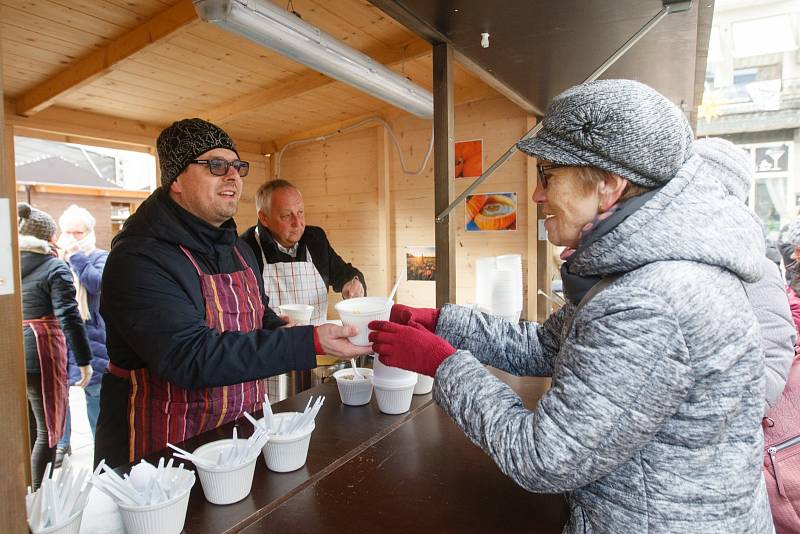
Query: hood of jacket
x=33, y=253
x=161, y=218
x=691, y=218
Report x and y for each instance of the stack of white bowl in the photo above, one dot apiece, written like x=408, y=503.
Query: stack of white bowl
x=393, y=387
x=498, y=285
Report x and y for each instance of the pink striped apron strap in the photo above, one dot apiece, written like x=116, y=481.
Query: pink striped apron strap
x=191, y=259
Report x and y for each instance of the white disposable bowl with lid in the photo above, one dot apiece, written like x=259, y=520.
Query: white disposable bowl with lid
x=287, y=452
x=354, y=391
x=359, y=312
x=165, y=517
x=424, y=384
x=225, y=484
x=299, y=313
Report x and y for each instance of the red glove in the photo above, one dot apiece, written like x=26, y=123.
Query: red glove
x=426, y=317
x=411, y=347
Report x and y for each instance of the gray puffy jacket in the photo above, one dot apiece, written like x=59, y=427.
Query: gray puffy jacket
x=652, y=423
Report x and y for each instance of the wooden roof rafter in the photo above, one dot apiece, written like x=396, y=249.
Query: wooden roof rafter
x=94, y=65
x=310, y=80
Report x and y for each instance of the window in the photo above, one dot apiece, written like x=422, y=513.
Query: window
x=120, y=211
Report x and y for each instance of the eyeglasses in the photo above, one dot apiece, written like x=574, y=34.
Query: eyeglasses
x=543, y=173
x=219, y=167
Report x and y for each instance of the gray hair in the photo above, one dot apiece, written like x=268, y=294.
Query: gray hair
x=76, y=214
x=264, y=193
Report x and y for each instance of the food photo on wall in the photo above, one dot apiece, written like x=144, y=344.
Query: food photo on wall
x=491, y=212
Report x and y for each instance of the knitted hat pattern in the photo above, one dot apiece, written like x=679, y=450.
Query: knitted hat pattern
x=184, y=140
x=621, y=126
x=35, y=222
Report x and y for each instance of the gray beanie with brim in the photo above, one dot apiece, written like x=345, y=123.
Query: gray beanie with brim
x=620, y=126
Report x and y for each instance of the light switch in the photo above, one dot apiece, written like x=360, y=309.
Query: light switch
x=6, y=252
x=542, y=231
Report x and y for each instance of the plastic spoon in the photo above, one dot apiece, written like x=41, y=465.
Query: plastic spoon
x=394, y=290
x=355, y=369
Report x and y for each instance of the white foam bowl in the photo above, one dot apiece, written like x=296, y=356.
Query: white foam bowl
x=394, y=398
x=287, y=452
x=424, y=385
x=299, y=313
x=395, y=375
x=228, y=484
x=354, y=392
x=70, y=526
x=165, y=517
x=359, y=312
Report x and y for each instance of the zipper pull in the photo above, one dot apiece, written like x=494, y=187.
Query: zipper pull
x=772, y=451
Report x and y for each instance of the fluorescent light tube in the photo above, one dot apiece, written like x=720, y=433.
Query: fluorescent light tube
x=270, y=26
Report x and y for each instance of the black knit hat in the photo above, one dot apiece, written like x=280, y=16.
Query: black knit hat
x=183, y=141
x=35, y=222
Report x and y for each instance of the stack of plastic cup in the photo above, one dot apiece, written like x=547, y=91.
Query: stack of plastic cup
x=503, y=295
x=424, y=385
x=359, y=312
x=224, y=484
x=352, y=390
x=394, y=387
x=299, y=313
x=513, y=263
x=287, y=452
x=165, y=517
x=483, y=282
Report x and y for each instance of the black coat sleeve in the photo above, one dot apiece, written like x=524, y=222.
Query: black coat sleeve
x=65, y=308
x=157, y=313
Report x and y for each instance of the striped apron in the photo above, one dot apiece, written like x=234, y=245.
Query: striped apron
x=161, y=412
x=295, y=282
x=52, y=348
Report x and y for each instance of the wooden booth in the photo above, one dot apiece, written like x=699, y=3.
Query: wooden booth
x=113, y=73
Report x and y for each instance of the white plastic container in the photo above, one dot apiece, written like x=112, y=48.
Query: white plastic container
x=288, y=452
x=394, y=398
x=354, y=392
x=70, y=526
x=359, y=312
x=299, y=313
x=165, y=517
x=424, y=384
x=228, y=484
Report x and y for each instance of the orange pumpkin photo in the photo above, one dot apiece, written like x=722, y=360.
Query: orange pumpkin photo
x=469, y=159
x=491, y=211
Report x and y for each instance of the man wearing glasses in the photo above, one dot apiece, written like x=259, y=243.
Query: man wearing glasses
x=190, y=334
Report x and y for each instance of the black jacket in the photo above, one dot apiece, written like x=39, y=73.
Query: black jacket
x=47, y=288
x=153, y=306
x=333, y=269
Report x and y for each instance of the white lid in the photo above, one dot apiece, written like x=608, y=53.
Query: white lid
x=387, y=375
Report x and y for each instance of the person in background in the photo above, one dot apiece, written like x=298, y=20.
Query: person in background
x=297, y=261
x=791, y=236
x=50, y=320
x=77, y=246
x=190, y=334
x=731, y=166
x=652, y=421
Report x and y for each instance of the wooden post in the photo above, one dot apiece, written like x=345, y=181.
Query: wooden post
x=444, y=172
x=14, y=442
x=532, y=233
x=385, y=248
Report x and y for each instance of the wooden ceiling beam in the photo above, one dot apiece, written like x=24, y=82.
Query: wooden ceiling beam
x=87, y=69
x=309, y=81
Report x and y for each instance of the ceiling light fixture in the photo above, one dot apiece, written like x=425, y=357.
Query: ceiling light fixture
x=265, y=23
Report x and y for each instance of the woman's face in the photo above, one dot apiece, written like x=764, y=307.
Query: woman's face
x=568, y=205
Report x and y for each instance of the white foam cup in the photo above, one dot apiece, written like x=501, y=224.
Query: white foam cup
x=225, y=484
x=166, y=517
x=359, y=312
x=288, y=452
x=393, y=387
x=72, y=525
x=353, y=391
x=424, y=384
x=299, y=313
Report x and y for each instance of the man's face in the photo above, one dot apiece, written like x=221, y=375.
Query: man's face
x=215, y=199
x=285, y=219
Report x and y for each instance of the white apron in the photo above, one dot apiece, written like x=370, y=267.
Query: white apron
x=295, y=282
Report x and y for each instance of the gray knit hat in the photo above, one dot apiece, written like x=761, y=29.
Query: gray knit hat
x=183, y=141
x=621, y=126
x=35, y=222
x=728, y=163
x=792, y=233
